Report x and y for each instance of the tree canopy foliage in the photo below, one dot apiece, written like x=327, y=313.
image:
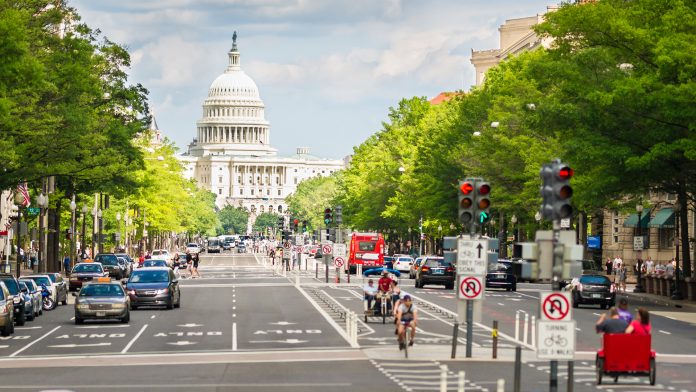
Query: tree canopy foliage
x=234, y=220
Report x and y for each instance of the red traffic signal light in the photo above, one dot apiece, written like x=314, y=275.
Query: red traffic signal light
x=327, y=211
x=466, y=188
x=484, y=189
x=296, y=222
x=565, y=173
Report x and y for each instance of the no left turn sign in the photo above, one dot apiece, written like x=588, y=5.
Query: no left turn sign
x=555, y=306
x=326, y=249
x=470, y=287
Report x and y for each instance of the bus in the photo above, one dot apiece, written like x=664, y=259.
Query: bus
x=366, y=249
x=213, y=245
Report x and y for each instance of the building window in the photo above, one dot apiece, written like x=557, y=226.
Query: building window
x=219, y=191
x=666, y=238
x=241, y=191
x=239, y=179
x=295, y=180
x=616, y=238
x=268, y=192
x=252, y=192
x=279, y=192
x=295, y=170
x=220, y=179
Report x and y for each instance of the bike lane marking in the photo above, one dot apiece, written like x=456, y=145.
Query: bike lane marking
x=14, y=354
x=128, y=346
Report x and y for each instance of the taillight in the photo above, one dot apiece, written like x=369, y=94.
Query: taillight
x=425, y=269
x=449, y=269
x=612, y=288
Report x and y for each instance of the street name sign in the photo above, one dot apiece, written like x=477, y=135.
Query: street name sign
x=472, y=257
x=340, y=250
x=470, y=287
x=556, y=340
x=555, y=306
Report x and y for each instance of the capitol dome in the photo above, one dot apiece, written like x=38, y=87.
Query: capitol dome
x=235, y=84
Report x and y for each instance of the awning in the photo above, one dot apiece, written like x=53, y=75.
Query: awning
x=632, y=220
x=664, y=219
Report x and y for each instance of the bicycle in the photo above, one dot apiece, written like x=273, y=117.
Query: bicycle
x=557, y=339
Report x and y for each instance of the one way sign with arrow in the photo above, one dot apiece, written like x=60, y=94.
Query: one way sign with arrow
x=472, y=257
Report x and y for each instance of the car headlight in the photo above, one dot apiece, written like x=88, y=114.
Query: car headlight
x=17, y=299
x=131, y=292
x=82, y=306
x=118, y=306
x=163, y=291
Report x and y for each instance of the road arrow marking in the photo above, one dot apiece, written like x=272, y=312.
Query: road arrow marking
x=81, y=345
x=288, y=341
x=103, y=326
x=282, y=323
x=190, y=325
x=182, y=343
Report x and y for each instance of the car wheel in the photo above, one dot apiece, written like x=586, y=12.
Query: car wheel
x=21, y=320
x=600, y=369
x=31, y=317
x=178, y=301
x=170, y=303
x=133, y=307
x=79, y=321
x=65, y=300
x=653, y=371
x=126, y=318
x=449, y=286
x=6, y=330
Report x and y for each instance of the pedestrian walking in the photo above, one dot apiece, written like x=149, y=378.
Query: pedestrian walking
x=66, y=265
x=609, y=265
x=194, y=270
x=189, y=263
x=649, y=266
x=272, y=256
x=621, y=274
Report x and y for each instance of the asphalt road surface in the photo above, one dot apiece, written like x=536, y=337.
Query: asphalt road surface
x=249, y=325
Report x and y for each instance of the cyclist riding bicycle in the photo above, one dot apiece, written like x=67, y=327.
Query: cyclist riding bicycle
x=384, y=284
x=407, y=317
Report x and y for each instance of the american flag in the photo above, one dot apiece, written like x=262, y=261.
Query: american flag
x=22, y=188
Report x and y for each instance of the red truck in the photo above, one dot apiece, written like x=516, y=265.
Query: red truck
x=366, y=249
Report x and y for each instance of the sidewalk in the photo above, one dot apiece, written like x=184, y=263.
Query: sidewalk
x=658, y=299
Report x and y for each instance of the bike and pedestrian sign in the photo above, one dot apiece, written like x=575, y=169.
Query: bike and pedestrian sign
x=339, y=262
x=470, y=287
x=556, y=340
x=472, y=257
x=340, y=250
x=555, y=306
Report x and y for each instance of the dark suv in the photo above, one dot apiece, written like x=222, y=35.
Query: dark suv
x=434, y=270
x=18, y=299
x=110, y=263
x=593, y=290
x=153, y=286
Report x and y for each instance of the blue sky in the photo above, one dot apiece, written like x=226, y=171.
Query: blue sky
x=327, y=70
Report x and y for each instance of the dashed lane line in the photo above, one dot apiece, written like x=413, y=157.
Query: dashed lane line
x=132, y=341
x=14, y=354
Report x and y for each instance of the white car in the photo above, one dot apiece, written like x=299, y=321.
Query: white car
x=162, y=254
x=403, y=263
x=193, y=248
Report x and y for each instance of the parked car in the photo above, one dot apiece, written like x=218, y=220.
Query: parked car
x=85, y=272
x=156, y=286
x=131, y=262
x=416, y=264
x=55, y=284
x=18, y=300
x=241, y=248
x=434, y=270
x=102, y=300
x=36, y=297
x=6, y=311
x=30, y=308
x=110, y=262
x=501, y=276
x=163, y=254
x=193, y=247
x=593, y=290
x=403, y=263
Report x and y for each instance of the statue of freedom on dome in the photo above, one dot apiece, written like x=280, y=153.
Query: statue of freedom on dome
x=234, y=39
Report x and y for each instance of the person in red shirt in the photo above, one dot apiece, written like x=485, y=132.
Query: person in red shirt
x=141, y=259
x=641, y=325
x=384, y=283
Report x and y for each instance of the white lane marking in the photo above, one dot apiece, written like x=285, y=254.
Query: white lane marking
x=73, y=345
x=326, y=316
x=234, y=308
x=23, y=328
x=103, y=326
x=153, y=316
x=234, y=336
x=664, y=332
x=499, y=303
x=14, y=354
x=597, y=314
x=128, y=346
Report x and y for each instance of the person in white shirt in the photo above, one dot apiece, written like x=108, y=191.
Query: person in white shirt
x=649, y=266
x=370, y=291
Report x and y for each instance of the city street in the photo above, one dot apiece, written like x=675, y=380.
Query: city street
x=243, y=315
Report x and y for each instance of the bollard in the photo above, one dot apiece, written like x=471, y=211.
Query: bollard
x=517, y=326
x=316, y=270
x=461, y=379
x=518, y=369
x=355, y=328
x=494, y=334
x=443, y=378
x=525, y=332
x=501, y=385
x=455, y=337
x=533, y=337
x=571, y=370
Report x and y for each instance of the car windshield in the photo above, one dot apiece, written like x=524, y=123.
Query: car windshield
x=41, y=280
x=88, y=268
x=193, y=245
x=106, y=259
x=30, y=284
x=594, y=280
x=11, y=285
x=102, y=290
x=406, y=259
x=23, y=285
x=499, y=267
x=154, y=263
x=52, y=277
x=367, y=246
x=435, y=263
x=149, y=277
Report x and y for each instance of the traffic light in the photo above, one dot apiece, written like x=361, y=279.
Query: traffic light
x=556, y=191
x=562, y=191
x=295, y=224
x=304, y=226
x=483, y=202
x=281, y=222
x=327, y=216
x=466, y=202
x=339, y=214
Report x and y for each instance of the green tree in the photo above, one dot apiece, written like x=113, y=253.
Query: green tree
x=266, y=220
x=312, y=197
x=234, y=220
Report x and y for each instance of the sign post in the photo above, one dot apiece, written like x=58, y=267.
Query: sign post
x=326, y=250
x=472, y=265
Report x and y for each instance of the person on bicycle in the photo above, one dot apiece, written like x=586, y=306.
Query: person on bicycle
x=407, y=317
x=384, y=285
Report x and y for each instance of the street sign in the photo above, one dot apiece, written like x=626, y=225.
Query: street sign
x=340, y=250
x=565, y=223
x=555, y=306
x=638, y=242
x=33, y=211
x=555, y=340
x=287, y=245
x=470, y=287
x=472, y=257
x=339, y=261
x=326, y=249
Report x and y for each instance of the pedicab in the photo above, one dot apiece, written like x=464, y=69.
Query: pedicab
x=383, y=301
x=626, y=355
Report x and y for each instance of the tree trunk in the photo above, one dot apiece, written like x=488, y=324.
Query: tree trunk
x=684, y=219
x=502, y=240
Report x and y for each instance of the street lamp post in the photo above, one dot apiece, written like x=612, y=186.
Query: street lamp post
x=83, y=241
x=94, y=229
x=43, y=204
x=439, y=232
x=73, y=225
x=513, y=220
x=101, y=227
x=676, y=294
x=639, y=261
x=19, y=200
x=118, y=237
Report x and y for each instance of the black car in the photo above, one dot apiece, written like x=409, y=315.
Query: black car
x=18, y=299
x=501, y=276
x=434, y=270
x=110, y=262
x=156, y=286
x=593, y=290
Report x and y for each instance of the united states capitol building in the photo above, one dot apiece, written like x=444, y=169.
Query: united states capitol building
x=231, y=154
